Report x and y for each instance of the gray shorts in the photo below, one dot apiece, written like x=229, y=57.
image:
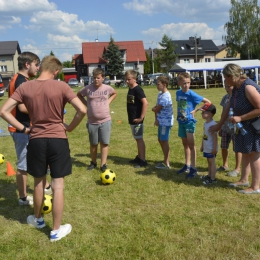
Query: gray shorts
x=99, y=133
x=137, y=131
x=20, y=142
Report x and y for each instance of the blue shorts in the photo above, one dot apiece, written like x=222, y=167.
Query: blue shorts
x=190, y=127
x=164, y=133
x=137, y=131
x=20, y=142
x=209, y=155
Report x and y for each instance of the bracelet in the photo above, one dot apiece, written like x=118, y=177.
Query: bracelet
x=24, y=128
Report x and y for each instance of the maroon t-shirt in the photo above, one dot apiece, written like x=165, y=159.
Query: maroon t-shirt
x=45, y=101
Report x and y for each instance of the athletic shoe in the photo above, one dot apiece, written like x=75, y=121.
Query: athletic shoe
x=36, y=222
x=184, y=169
x=209, y=181
x=193, y=173
x=63, y=231
x=233, y=173
x=222, y=169
x=103, y=168
x=135, y=160
x=141, y=164
x=27, y=202
x=204, y=177
x=91, y=166
x=162, y=166
x=48, y=191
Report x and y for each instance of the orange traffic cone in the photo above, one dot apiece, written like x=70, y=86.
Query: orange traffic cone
x=9, y=170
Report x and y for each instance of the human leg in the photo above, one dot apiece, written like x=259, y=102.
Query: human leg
x=212, y=167
x=104, y=138
x=166, y=151
x=192, y=149
x=93, y=153
x=39, y=184
x=238, y=157
x=254, y=159
x=186, y=151
x=141, y=148
x=104, y=154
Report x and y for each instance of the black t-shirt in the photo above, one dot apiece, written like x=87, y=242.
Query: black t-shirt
x=134, y=104
x=21, y=117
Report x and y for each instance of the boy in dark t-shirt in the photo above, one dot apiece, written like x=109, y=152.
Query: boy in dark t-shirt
x=136, y=109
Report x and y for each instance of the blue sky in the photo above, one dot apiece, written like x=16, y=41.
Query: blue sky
x=61, y=26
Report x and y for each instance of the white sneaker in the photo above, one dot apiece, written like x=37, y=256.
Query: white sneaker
x=27, y=202
x=36, y=222
x=63, y=231
x=48, y=191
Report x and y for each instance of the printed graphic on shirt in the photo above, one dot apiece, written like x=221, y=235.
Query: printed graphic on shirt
x=130, y=99
x=182, y=108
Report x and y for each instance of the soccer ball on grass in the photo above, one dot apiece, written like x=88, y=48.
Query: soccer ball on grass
x=47, y=204
x=2, y=158
x=108, y=177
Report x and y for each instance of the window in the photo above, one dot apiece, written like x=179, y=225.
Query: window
x=207, y=59
x=3, y=68
x=186, y=60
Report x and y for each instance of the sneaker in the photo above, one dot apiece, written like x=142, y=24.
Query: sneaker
x=222, y=169
x=91, y=166
x=48, y=191
x=28, y=201
x=193, y=173
x=103, y=168
x=233, y=173
x=184, y=169
x=209, y=181
x=35, y=222
x=63, y=231
x=162, y=166
x=204, y=177
x=141, y=164
x=135, y=160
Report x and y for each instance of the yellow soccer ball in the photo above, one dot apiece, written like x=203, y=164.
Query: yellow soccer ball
x=2, y=159
x=108, y=177
x=47, y=204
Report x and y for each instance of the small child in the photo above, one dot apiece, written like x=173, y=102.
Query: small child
x=209, y=145
x=163, y=119
x=99, y=96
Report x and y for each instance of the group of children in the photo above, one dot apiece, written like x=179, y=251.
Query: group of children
x=99, y=96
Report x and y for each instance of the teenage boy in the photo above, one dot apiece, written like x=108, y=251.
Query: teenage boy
x=99, y=96
x=136, y=109
x=45, y=99
x=186, y=109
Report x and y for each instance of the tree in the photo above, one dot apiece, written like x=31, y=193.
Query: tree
x=51, y=53
x=147, y=64
x=242, y=31
x=67, y=64
x=114, y=59
x=166, y=56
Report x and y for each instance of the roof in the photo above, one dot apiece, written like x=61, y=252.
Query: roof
x=9, y=48
x=93, y=51
x=204, y=66
x=187, y=47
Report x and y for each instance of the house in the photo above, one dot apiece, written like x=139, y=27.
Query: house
x=195, y=50
x=132, y=52
x=224, y=54
x=9, y=52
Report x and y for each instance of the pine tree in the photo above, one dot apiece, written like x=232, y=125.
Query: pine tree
x=114, y=59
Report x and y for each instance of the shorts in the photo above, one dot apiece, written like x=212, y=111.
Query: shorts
x=137, y=131
x=99, y=132
x=54, y=152
x=225, y=140
x=164, y=133
x=190, y=127
x=20, y=142
x=209, y=155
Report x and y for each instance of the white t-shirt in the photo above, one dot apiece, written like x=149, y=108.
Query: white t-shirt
x=208, y=137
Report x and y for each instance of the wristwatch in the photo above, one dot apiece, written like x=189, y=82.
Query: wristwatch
x=24, y=128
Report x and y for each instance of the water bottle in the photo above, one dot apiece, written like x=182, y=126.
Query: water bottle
x=241, y=129
x=231, y=114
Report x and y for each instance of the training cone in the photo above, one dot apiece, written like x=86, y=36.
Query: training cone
x=9, y=170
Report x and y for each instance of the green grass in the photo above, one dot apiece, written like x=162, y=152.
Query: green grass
x=146, y=213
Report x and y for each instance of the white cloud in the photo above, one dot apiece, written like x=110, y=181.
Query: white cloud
x=31, y=48
x=199, y=10
x=181, y=31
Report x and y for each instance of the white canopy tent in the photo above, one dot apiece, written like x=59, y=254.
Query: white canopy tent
x=209, y=66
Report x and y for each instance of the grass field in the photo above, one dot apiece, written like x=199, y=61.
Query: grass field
x=146, y=214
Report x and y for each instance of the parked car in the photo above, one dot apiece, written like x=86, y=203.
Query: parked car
x=85, y=80
x=2, y=88
x=106, y=81
x=73, y=82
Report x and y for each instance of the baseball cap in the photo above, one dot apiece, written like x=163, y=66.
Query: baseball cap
x=210, y=108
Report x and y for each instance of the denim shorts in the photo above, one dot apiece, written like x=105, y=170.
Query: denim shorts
x=99, y=133
x=190, y=127
x=164, y=133
x=20, y=142
x=209, y=155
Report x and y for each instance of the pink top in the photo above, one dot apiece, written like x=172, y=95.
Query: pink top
x=45, y=101
x=97, y=102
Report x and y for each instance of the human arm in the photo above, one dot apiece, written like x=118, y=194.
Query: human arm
x=80, y=113
x=143, y=112
x=112, y=97
x=82, y=99
x=156, y=109
x=204, y=100
x=22, y=108
x=215, y=143
x=5, y=113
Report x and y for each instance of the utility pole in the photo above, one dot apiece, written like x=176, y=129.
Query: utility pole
x=152, y=58
x=195, y=39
